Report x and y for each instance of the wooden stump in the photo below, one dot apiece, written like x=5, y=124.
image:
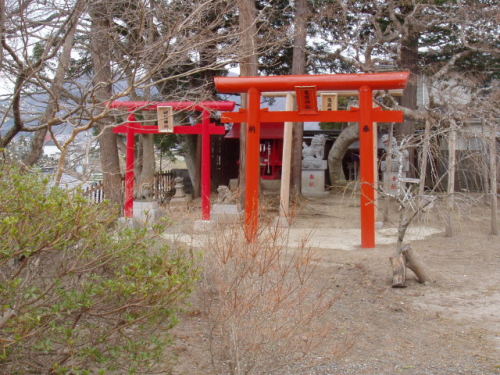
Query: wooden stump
x=406, y=258
x=398, y=271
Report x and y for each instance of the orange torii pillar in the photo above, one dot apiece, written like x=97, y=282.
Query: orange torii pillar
x=306, y=87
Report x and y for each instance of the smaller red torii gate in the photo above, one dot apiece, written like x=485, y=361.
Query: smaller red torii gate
x=306, y=87
x=205, y=128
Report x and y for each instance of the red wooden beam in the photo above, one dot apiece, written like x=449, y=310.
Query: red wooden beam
x=376, y=81
x=353, y=115
x=176, y=106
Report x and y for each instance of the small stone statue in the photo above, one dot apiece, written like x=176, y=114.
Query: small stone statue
x=146, y=191
x=313, y=155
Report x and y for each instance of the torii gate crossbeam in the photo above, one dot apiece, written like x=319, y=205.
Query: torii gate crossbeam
x=306, y=87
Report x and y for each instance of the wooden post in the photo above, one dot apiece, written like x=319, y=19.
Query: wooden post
x=425, y=157
x=205, y=166
x=493, y=173
x=452, y=144
x=286, y=164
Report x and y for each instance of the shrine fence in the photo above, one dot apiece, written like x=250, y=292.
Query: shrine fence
x=163, y=187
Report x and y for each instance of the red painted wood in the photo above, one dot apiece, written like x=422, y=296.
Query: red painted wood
x=366, y=115
x=252, y=166
x=176, y=106
x=376, y=81
x=206, y=165
x=307, y=101
x=206, y=129
x=368, y=157
x=198, y=129
x=321, y=116
x=136, y=128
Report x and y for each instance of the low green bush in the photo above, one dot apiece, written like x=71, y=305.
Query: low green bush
x=80, y=294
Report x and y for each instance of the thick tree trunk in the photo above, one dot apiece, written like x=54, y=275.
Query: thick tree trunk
x=36, y=151
x=409, y=61
x=146, y=179
x=298, y=67
x=101, y=61
x=193, y=158
x=248, y=67
x=387, y=181
x=346, y=138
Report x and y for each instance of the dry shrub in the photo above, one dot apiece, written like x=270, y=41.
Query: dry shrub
x=261, y=304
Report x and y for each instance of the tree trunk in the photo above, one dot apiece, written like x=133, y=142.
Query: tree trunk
x=387, y=181
x=193, y=158
x=452, y=143
x=147, y=176
x=102, y=80
x=298, y=67
x=2, y=27
x=37, y=142
x=493, y=173
x=248, y=67
x=346, y=138
x=409, y=61
x=36, y=151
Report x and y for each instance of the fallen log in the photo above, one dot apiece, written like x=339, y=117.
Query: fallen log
x=413, y=263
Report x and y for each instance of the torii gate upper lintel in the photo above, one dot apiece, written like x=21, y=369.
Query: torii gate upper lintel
x=305, y=87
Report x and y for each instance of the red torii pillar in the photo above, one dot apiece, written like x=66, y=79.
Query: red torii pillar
x=206, y=129
x=306, y=87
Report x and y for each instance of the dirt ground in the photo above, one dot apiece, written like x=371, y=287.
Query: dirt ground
x=450, y=326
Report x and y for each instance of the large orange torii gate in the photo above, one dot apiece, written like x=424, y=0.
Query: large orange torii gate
x=306, y=87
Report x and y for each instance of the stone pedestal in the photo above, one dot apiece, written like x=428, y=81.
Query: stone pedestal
x=226, y=213
x=203, y=225
x=147, y=211
x=313, y=167
x=180, y=199
x=313, y=183
x=391, y=182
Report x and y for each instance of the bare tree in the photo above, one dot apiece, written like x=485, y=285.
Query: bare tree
x=298, y=67
x=248, y=67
